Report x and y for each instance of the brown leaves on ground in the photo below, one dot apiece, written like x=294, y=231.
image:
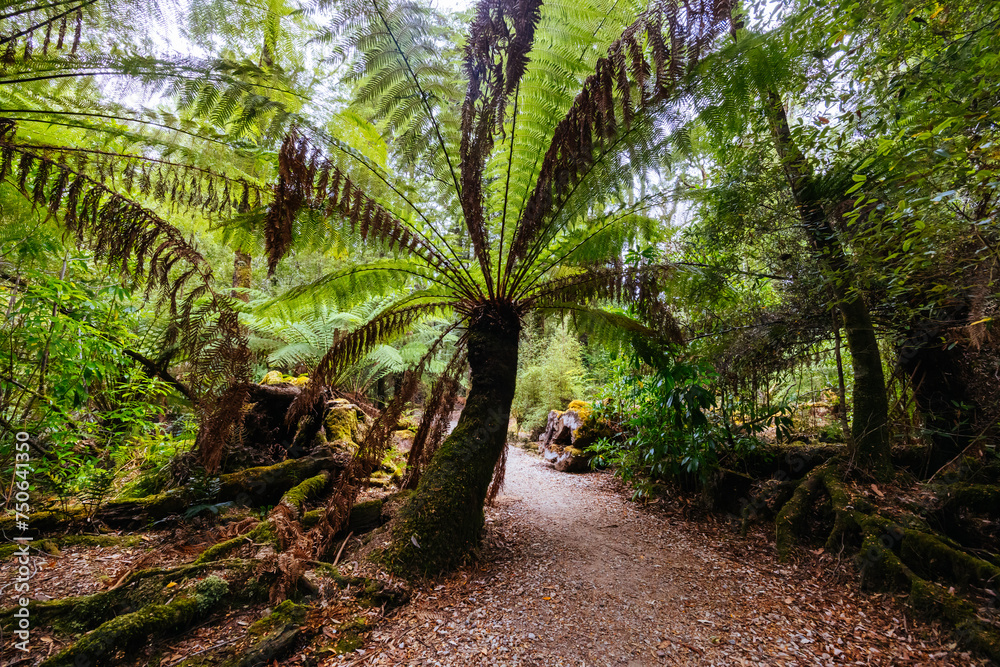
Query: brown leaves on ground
x=575, y=574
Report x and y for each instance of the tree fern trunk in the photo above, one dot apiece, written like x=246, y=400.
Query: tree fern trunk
x=869, y=428
x=443, y=520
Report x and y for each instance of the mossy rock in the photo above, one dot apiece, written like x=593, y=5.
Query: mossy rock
x=407, y=423
x=583, y=409
x=285, y=613
x=341, y=422
x=351, y=635
x=272, y=378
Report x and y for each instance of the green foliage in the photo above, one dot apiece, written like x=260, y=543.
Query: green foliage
x=663, y=404
x=550, y=375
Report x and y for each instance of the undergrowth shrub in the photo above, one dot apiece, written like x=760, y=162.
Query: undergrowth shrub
x=550, y=375
x=664, y=405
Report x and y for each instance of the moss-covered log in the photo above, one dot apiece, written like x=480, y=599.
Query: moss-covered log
x=266, y=484
x=123, y=632
x=53, y=545
x=296, y=498
x=82, y=613
x=253, y=487
x=443, y=519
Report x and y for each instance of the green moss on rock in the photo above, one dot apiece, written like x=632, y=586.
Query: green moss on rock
x=351, y=635
x=285, y=613
x=341, y=422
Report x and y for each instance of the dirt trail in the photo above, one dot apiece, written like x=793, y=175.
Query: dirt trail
x=575, y=574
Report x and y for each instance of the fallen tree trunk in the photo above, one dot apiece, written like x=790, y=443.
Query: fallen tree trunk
x=254, y=487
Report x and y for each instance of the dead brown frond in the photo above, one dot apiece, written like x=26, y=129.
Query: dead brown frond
x=138, y=244
x=436, y=418
x=496, y=57
x=499, y=472
x=218, y=425
x=306, y=179
x=371, y=449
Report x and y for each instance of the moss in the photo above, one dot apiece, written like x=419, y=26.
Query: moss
x=931, y=557
x=351, y=635
x=392, y=466
x=100, y=540
x=791, y=518
x=976, y=498
x=442, y=522
x=365, y=516
x=377, y=594
x=262, y=532
x=312, y=517
x=264, y=485
x=46, y=520
x=932, y=601
x=273, y=378
x=880, y=568
x=299, y=495
x=129, y=630
x=341, y=423
x=52, y=546
x=285, y=613
x=407, y=423
x=583, y=409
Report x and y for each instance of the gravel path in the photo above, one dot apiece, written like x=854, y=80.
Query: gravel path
x=575, y=574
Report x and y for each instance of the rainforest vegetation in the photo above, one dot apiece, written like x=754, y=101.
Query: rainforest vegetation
x=290, y=271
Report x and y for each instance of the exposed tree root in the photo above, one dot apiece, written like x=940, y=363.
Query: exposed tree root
x=883, y=569
x=253, y=487
x=79, y=614
x=897, y=553
x=123, y=632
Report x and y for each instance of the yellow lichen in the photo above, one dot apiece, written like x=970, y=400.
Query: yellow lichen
x=272, y=378
x=583, y=409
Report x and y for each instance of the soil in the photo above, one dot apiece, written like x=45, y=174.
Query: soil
x=571, y=572
x=574, y=573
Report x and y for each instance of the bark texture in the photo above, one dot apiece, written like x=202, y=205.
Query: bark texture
x=443, y=521
x=869, y=427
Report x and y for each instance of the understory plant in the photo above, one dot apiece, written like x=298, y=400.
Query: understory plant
x=663, y=403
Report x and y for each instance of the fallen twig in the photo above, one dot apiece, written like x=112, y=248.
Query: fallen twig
x=341, y=550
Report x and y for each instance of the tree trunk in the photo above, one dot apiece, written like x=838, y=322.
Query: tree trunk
x=936, y=372
x=443, y=520
x=241, y=275
x=869, y=428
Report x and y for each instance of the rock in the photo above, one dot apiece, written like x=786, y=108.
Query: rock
x=559, y=442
